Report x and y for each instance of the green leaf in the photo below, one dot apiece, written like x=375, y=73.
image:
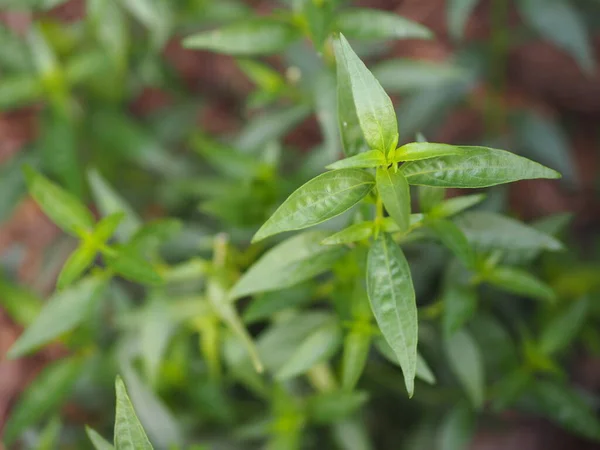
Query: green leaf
x=61, y=313
x=560, y=332
x=356, y=350
x=560, y=15
x=98, y=441
x=460, y=302
x=416, y=151
x=331, y=407
x=353, y=139
x=392, y=297
x=76, y=264
x=129, y=433
x=21, y=304
x=395, y=193
x=423, y=372
x=455, y=205
x=454, y=239
x=365, y=23
x=519, y=282
x=357, y=232
x=459, y=12
x=457, y=429
x=109, y=203
x=63, y=208
x=319, y=346
x=475, y=167
x=50, y=435
x=106, y=228
x=296, y=259
x=565, y=407
x=488, y=231
x=127, y=263
x=374, y=108
x=365, y=160
x=322, y=198
x=256, y=36
x=465, y=361
x=430, y=197
x=45, y=393
x=265, y=306
x=403, y=75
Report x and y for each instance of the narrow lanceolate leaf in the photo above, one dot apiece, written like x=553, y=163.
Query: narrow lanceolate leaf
x=107, y=227
x=424, y=150
x=296, y=259
x=371, y=158
x=322, y=198
x=61, y=313
x=459, y=301
x=356, y=349
x=63, y=208
x=395, y=193
x=127, y=263
x=520, y=282
x=475, y=167
x=365, y=23
x=129, y=433
x=76, y=265
x=374, y=108
x=454, y=239
x=455, y=205
x=98, y=441
x=43, y=395
x=423, y=372
x=250, y=37
x=465, y=361
x=356, y=232
x=392, y=297
x=560, y=332
x=459, y=12
x=319, y=346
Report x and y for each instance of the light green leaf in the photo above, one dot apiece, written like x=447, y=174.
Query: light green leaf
x=356, y=350
x=50, y=435
x=519, y=282
x=564, y=406
x=454, y=239
x=488, y=231
x=457, y=429
x=45, y=393
x=356, y=232
x=129, y=433
x=319, y=346
x=322, y=198
x=459, y=12
x=63, y=208
x=61, y=313
x=365, y=23
x=416, y=151
x=331, y=407
x=465, y=361
x=109, y=202
x=21, y=304
x=374, y=108
x=76, y=264
x=403, y=75
x=107, y=227
x=395, y=193
x=392, y=297
x=475, y=167
x=256, y=36
x=455, y=205
x=296, y=259
x=559, y=332
x=127, y=263
x=561, y=15
x=371, y=158
x=98, y=441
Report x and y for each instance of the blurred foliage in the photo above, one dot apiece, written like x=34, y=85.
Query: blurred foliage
x=148, y=288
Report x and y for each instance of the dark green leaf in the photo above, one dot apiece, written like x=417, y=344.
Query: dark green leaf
x=460, y=302
x=45, y=393
x=129, y=433
x=457, y=429
x=374, y=108
x=62, y=207
x=61, y=313
x=364, y=23
x=475, y=167
x=257, y=36
x=322, y=198
x=430, y=197
x=454, y=239
x=335, y=406
x=392, y=297
x=395, y=194
x=520, y=282
x=560, y=332
x=264, y=306
x=465, y=361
